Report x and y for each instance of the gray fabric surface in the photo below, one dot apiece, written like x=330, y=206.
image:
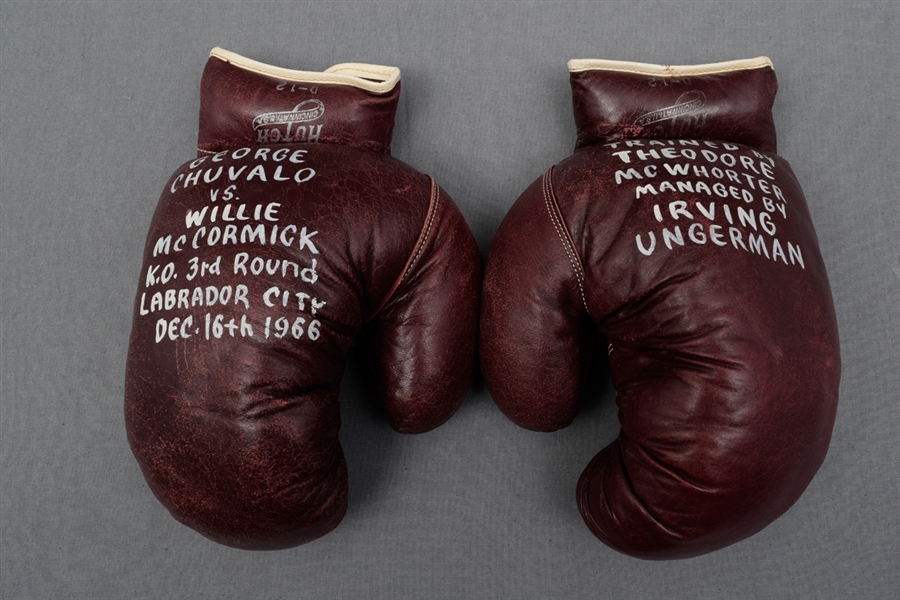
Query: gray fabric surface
x=98, y=104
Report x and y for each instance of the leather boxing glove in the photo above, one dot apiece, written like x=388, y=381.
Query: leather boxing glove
x=266, y=257
x=678, y=233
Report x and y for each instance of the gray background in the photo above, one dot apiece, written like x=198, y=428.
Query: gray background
x=99, y=105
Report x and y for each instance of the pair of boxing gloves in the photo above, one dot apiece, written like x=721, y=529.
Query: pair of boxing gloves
x=674, y=236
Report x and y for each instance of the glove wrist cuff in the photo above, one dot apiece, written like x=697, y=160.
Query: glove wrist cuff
x=729, y=102
x=377, y=79
x=248, y=103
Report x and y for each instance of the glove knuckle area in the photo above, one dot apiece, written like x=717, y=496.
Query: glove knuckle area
x=239, y=453
x=726, y=416
x=647, y=503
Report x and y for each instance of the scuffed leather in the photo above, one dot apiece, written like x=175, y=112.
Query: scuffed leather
x=733, y=105
x=723, y=350
x=232, y=98
x=237, y=435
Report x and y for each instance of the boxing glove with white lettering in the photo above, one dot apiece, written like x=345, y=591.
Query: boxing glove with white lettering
x=293, y=232
x=678, y=233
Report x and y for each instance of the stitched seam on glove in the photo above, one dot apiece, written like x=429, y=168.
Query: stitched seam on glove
x=418, y=248
x=564, y=235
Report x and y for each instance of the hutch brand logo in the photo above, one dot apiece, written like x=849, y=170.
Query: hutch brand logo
x=308, y=110
x=687, y=103
x=285, y=126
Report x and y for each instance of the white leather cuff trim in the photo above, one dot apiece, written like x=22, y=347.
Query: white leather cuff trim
x=373, y=78
x=589, y=64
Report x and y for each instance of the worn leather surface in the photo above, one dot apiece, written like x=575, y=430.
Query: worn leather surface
x=240, y=107
x=262, y=265
x=733, y=105
x=698, y=261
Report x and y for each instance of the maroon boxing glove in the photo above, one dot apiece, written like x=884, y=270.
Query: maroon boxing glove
x=266, y=257
x=677, y=232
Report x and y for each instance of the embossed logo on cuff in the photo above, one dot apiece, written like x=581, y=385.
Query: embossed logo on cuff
x=308, y=110
x=687, y=103
x=268, y=125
